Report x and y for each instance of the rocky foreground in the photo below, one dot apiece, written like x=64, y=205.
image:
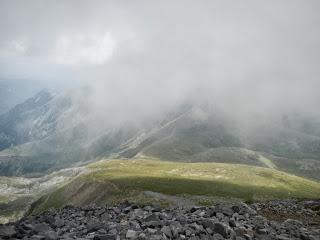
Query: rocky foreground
x=129, y=221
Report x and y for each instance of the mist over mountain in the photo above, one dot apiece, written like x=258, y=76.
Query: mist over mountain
x=170, y=79
x=175, y=104
x=52, y=131
x=203, y=82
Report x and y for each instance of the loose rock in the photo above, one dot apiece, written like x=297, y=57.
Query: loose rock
x=128, y=221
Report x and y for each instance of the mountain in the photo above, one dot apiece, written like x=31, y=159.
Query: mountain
x=27, y=121
x=14, y=91
x=52, y=131
x=48, y=132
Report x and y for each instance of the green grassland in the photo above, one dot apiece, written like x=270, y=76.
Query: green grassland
x=117, y=180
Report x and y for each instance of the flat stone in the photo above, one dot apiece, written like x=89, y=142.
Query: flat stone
x=167, y=231
x=105, y=237
x=59, y=223
x=131, y=234
x=151, y=230
x=152, y=217
x=50, y=235
x=42, y=227
x=262, y=231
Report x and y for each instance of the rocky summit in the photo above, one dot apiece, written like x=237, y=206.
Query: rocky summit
x=128, y=221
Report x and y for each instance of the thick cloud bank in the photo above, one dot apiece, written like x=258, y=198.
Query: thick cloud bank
x=135, y=59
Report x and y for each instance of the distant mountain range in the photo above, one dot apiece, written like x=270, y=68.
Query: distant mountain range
x=52, y=131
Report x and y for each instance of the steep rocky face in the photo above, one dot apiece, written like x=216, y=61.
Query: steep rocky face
x=129, y=221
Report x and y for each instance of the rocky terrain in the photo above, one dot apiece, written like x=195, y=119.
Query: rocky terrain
x=129, y=221
x=306, y=211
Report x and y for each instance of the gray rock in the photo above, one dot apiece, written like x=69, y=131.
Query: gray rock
x=151, y=230
x=142, y=236
x=94, y=225
x=167, y=231
x=156, y=237
x=152, y=217
x=247, y=237
x=131, y=234
x=227, y=211
x=154, y=224
x=59, y=223
x=126, y=210
x=42, y=227
x=105, y=237
x=283, y=237
x=232, y=223
x=222, y=229
x=37, y=237
x=7, y=231
x=220, y=216
x=207, y=223
x=50, y=235
x=262, y=231
x=218, y=236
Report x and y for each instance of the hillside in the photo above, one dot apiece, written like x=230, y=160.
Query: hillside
x=49, y=132
x=17, y=193
x=55, y=131
x=143, y=180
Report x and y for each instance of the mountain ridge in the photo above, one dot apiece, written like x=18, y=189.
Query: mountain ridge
x=62, y=134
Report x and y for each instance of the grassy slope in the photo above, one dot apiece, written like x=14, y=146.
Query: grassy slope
x=116, y=180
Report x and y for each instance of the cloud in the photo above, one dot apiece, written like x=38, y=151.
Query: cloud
x=142, y=57
x=84, y=49
x=14, y=48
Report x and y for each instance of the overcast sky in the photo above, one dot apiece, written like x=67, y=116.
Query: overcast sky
x=145, y=55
